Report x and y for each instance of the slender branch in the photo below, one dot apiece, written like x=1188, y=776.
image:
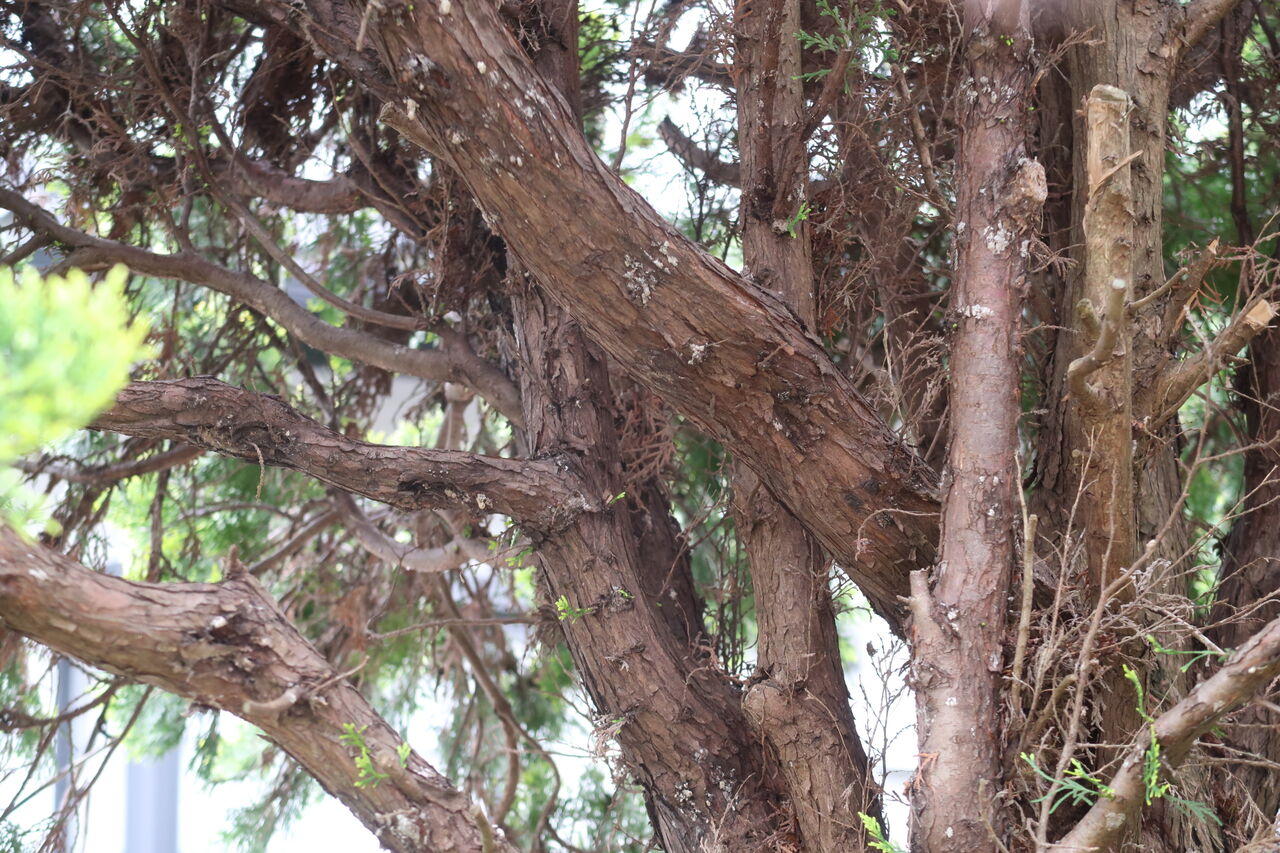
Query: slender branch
x=290, y=546
x=694, y=157
x=1179, y=381
x=451, y=363
x=1185, y=285
x=1191, y=276
x=262, y=429
x=1250, y=669
x=229, y=646
x=411, y=557
x=1103, y=348
x=105, y=475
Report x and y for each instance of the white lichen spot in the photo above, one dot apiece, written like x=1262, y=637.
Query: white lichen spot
x=977, y=312
x=950, y=832
x=411, y=108
x=516, y=160
x=952, y=702
x=697, y=354
x=665, y=249
x=217, y=622
x=38, y=574
x=456, y=137
x=640, y=281
x=445, y=7
x=997, y=238
x=1115, y=820
x=404, y=827
x=482, y=68
x=483, y=502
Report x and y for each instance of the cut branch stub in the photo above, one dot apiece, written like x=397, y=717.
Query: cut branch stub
x=1101, y=380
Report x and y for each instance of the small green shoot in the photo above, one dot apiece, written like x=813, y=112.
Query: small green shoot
x=367, y=776
x=1194, y=655
x=567, y=613
x=876, y=834
x=799, y=216
x=1077, y=786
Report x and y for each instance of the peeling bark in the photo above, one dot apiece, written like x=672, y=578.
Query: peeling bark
x=228, y=646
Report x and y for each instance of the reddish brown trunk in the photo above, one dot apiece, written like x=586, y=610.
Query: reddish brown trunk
x=958, y=619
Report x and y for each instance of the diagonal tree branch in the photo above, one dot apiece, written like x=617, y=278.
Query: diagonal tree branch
x=229, y=646
x=1250, y=669
x=682, y=323
x=106, y=475
x=454, y=362
x=264, y=430
x=695, y=157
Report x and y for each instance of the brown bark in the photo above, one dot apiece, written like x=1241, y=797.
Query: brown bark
x=262, y=429
x=1100, y=381
x=1125, y=500
x=228, y=646
x=958, y=623
x=676, y=718
x=678, y=721
x=714, y=346
x=798, y=701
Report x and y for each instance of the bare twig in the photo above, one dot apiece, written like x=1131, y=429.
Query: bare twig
x=1175, y=731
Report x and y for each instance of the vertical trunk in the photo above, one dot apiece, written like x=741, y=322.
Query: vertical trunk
x=1088, y=451
x=958, y=623
x=1100, y=381
x=799, y=703
x=679, y=723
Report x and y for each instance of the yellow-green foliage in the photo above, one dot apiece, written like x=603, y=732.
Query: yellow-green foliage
x=65, y=350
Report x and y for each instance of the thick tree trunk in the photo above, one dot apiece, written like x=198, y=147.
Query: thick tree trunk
x=680, y=322
x=678, y=721
x=958, y=619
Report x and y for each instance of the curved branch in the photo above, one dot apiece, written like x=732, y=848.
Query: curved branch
x=229, y=646
x=264, y=430
x=1249, y=670
x=454, y=362
x=1201, y=17
x=693, y=156
x=412, y=557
